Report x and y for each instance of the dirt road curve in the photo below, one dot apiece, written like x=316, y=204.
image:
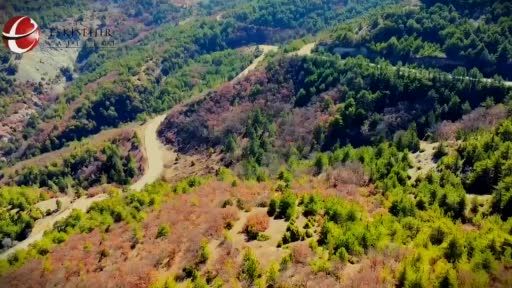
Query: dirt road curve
x=154, y=153
x=42, y=225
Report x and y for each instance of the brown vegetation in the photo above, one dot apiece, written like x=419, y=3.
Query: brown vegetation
x=256, y=223
x=183, y=166
x=109, y=257
x=301, y=253
x=207, y=122
x=303, y=276
x=369, y=272
x=348, y=174
x=478, y=119
x=128, y=259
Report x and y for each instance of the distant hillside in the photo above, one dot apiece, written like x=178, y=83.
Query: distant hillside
x=474, y=34
x=317, y=102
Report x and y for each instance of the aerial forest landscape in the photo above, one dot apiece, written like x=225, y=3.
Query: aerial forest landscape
x=256, y=143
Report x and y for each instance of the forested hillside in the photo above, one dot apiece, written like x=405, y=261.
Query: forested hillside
x=309, y=16
x=338, y=102
x=18, y=212
x=81, y=170
x=118, y=161
x=370, y=146
x=25, y=190
x=482, y=162
x=162, y=54
x=467, y=34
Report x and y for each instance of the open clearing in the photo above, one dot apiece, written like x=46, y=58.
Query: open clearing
x=423, y=160
x=266, y=251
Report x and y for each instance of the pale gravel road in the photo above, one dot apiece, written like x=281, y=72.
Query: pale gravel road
x=154, y=151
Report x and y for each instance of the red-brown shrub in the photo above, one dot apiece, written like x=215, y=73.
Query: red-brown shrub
x=301, y=253
x=478, y=119
x=256, y=223
x=350, y=173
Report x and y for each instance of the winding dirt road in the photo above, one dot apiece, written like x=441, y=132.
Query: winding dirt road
x=305, y=50
x=155, y=154
x=155, y=150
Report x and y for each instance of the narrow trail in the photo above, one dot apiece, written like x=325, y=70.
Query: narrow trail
x=155, y=153
x=265, y=49
x=305, y=50
x=423, y=160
